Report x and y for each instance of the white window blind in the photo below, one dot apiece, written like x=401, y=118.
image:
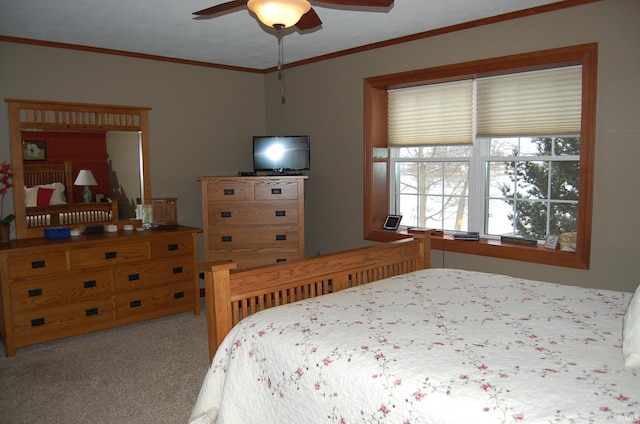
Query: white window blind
x=538, y=103
x=546, y=102
x=431, y=114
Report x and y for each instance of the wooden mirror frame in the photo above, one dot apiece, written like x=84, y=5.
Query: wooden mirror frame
x=63, y=116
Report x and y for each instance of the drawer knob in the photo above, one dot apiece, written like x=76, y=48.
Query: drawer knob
x=276, y=191
x=178, y=295
x=35, y=292
x=110, y=255
x=90, y=284
x=135, y=303
x=281, y=237
x=91, y=311
x=281, y=260
x=37, y=322
x=227, y=239
x=134, y=277
x=38, y=264
x=172, y=247
x=225, y=214
x=177, y=270
x=229, y=191
x=281, y=213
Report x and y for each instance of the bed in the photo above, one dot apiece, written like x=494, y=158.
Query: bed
x=421, y=346
x=49, y=199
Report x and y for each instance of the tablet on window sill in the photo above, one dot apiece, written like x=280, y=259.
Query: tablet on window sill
x=392, y=222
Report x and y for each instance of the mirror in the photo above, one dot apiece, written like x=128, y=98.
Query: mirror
x=121, y=164
x=113, y=157
x=125, y=178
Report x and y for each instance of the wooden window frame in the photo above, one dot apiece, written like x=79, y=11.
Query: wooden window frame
x=377, y=162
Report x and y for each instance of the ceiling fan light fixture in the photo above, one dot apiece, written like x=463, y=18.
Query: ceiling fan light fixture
x=279, y=12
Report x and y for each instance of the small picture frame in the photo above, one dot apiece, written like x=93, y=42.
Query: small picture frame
x=34, y=150
x=392, y=222
x=551, y=242
x=99, y=197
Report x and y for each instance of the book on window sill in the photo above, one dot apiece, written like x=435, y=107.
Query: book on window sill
x=515, y=239
x=434, y=232
x=466, y=235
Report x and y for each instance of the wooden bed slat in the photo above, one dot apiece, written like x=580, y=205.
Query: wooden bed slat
x=72, y=214
x=232, y=294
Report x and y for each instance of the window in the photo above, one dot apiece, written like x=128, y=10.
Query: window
x=531, y=182
x=430, y=186
x=531, y=186
x=526, y=186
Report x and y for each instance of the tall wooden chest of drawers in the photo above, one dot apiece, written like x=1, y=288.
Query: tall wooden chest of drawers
x=253, y=220
x=52, y=289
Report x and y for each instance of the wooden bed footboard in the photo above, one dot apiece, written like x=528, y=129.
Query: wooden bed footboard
x=232, y=294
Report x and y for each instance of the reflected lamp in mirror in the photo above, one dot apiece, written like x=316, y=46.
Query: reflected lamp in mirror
x=85, y=178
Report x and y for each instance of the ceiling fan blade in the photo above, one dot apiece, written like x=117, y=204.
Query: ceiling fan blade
x=309, y=20
x=222, y=8
x=363, y=3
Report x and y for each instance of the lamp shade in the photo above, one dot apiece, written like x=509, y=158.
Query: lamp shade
x=279, y=12
x=85, y=178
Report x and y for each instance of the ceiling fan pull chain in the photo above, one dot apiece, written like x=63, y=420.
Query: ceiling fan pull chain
x=280, y=61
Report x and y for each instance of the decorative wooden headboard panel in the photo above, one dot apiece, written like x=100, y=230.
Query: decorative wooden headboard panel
x=47, y=173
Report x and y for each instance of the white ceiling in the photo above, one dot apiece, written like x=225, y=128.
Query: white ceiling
x=167, y=28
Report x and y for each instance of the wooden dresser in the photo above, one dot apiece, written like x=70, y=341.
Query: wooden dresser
x=59, y=288
x=253, y=220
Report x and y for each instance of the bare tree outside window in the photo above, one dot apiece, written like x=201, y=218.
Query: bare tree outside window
x=433, y=186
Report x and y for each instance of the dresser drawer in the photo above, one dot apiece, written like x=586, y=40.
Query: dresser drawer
x=249, y=259
x=276, y=190
x=32, y=326
x=176, y=296
x=75, y=286
x=105, y=255
x=37, y=264
x=172, y=247
x=258, y=213
x=154, y=273
x=230, y=238
x=229, y=190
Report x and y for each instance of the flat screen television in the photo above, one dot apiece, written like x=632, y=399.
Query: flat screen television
x=281, y=154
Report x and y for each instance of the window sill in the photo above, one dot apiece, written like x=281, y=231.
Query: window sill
x=493, y=248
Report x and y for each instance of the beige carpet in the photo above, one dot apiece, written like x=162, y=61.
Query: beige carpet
x=142, y=373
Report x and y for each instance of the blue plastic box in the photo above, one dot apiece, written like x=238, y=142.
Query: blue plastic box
x=57, y=232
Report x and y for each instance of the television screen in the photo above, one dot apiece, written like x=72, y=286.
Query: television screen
x=281, y=153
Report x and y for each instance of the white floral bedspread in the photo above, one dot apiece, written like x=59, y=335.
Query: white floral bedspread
x=435, y=346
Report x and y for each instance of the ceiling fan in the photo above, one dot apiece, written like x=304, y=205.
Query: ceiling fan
x=281, y=14
x=308, y=20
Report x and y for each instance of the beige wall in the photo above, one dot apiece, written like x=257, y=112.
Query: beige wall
x=325, y=100
x=202, y=121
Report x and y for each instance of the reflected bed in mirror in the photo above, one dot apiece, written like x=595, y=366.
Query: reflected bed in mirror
x=49, y=199
x=111, y=141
